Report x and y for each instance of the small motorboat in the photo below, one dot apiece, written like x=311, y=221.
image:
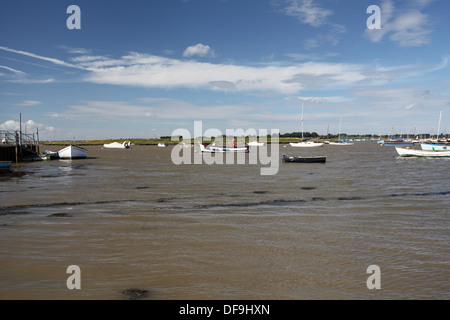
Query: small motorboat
x=214, y=149
x=117, y=145
x=162, y=145
x=299, y=159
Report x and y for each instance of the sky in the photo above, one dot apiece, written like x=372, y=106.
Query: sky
x=142, y=69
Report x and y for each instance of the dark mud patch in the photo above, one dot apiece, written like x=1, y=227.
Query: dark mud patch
x=134, y=294
x=60, y=215
x=279, y=202
x=350, y=198
x=161, y=200
x=6, y=175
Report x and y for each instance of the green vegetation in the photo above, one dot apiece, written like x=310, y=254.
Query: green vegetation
x=284, y=138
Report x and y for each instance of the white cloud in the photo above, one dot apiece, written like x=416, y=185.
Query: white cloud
x=198, y=50
x=29, y=103
x=310, y=12
x=307, y=11
x=29, y=126
x=33, y=81
x=32, y=55
x=17, y=72
x=159, y=72
x=152, y=108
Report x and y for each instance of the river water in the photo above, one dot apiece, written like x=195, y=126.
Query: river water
x=131, y=219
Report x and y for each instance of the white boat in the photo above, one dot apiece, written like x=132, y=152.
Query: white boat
x=435, y=146
x=117, y=145
x=340, y=142
x=72, y=152
x=304, y=144
x=162, y=145
x=213, y=149
x=406, y=152
x=255, y=144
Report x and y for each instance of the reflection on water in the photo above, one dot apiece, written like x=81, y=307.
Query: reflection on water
x=136, y=223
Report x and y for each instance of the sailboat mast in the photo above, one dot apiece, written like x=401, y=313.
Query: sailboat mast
x=302, y=121
x=340, y=122
x=439, y=126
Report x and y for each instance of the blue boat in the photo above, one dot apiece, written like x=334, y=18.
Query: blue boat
x=5, y=164
x=397, y=141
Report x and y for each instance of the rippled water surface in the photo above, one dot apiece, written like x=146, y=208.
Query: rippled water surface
x=133, y=219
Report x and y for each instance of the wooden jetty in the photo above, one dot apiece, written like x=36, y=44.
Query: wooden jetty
x=17, y=146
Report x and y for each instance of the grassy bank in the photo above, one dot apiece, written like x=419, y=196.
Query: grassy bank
x=147, y=141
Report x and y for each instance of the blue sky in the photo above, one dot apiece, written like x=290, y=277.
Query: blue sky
x=141, y=69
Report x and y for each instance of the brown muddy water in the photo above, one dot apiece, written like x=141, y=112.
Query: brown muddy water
x=131, y=219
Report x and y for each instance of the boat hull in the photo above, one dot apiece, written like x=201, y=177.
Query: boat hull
x=117, y=145
x=403, y=152
x=396, y=142
x=297, y=159
x=72, y=152
x=5, y=164
x=220, y=150
x=305, y=144
x=255, y=144
x=340, y=143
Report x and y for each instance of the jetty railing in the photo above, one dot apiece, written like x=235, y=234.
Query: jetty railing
x=18, y=146
x=17, y=138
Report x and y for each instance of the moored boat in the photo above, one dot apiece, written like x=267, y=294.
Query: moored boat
x=213, y=149
x=341, y=143
x=435, y=146
x=306, y=144
x=255, y=144
x=406, y=152
x=72, y=152
x=397, y=141
x=300, y=159
x=117, y=145
x=5, y=164
x=162, y=145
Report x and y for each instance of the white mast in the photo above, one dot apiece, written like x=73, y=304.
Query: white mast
x=302, y=120
x=439, y=126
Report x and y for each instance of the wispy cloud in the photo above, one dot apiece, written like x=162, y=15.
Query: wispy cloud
x=306, y=11
x=311, y=13
x=32, y=55
x=407, y=28
x=28, y=103
x=151, y=71
x=17, y=72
